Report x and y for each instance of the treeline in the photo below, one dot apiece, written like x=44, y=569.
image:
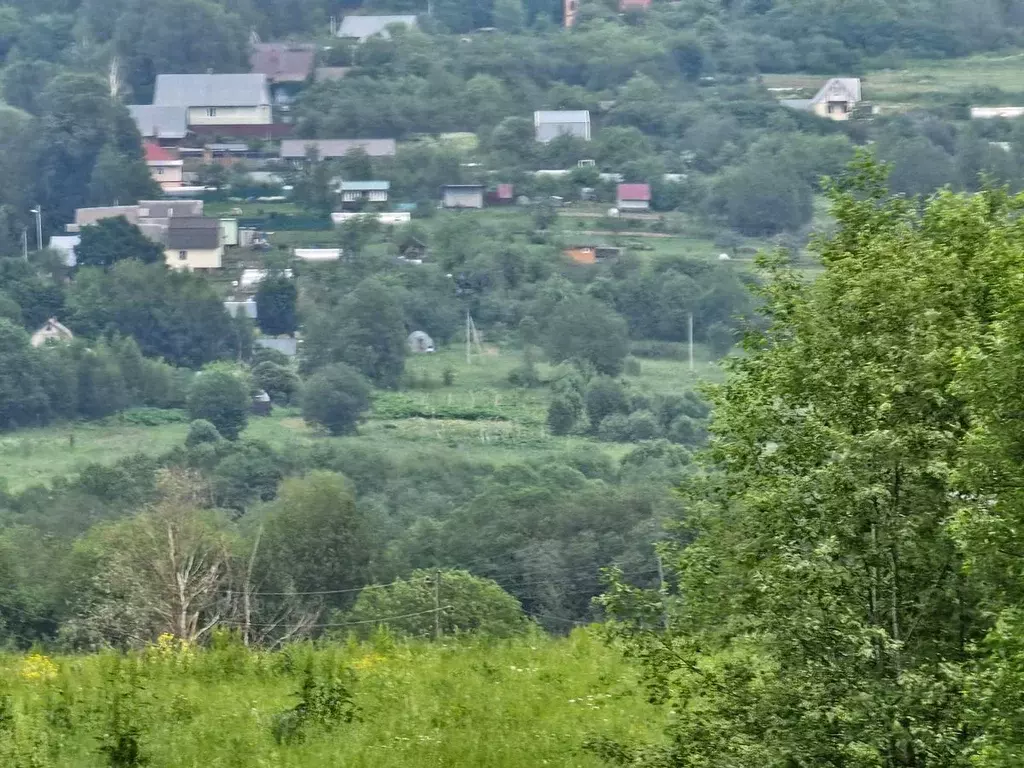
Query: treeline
x=298, y=531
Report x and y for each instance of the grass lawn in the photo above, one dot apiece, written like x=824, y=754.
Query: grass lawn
x=929, y=81
x=468, y=703
x=480, y=414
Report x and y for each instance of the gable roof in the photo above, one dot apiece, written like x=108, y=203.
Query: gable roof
x=362, y=27
x=326, y=148
x=839, y=89
x=157, y=122
x=247, y=90
x=634, y=192
x=186, y=232
x=283, y=62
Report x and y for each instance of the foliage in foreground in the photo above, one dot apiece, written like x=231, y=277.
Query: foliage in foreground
x=384, y=703
x=852, y=572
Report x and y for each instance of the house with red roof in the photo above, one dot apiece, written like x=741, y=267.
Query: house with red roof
x=626, y=6
x=633, y=197
x=165, y=166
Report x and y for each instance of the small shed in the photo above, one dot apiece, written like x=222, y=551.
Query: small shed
x=633, y=197
x=591, y=254
x=51, y=330
x=261, y=405
x=420, y=343
x=462, y=196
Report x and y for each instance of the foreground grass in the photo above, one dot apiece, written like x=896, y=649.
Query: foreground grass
x=528, y=702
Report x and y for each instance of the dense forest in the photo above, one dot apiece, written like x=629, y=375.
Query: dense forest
x=782, y=489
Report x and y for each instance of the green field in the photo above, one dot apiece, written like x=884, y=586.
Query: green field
x=478, y=704
x=480, y=414
x=929, y=82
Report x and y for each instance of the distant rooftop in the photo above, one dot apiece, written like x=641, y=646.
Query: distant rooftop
x=157, y=122
x=295, y=149
x=283, y=62
x=245, y=90
x=364, y=27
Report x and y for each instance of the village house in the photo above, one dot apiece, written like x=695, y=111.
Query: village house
x=570, y=9
x=633, y=197
x=550, y=124
x=193, y=242
x=462, y=196
x=590, y=254
x=51, y=331
x=362, y=28
x=364, y=191
x=287, y=66
x=836, y=100
x=332, y=149
x=217, y=101
x=166, y=168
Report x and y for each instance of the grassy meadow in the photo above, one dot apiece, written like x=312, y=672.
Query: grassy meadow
x=474, y=703
x=927, y=82
x=480, y=413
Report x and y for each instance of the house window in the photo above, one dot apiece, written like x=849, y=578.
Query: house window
x=182, y=255
x=159, y=171
x=211, y=111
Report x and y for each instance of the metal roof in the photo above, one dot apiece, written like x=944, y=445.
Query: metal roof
x=325, y=148
x=362, y=27
x=156, y=122
x=839, y=88
x=283, y=62
x=365, y=186
x=561, y=116
x=185, y=232
x=246, y=90
x=634, y=192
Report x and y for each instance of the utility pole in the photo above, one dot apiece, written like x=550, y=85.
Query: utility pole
x=437, y=604
x=690, y=333
x=24, y=242
x=38, y=212
x=469, y=339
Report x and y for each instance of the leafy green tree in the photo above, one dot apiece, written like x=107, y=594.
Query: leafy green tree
x=584, y=328
x=111, y=240
x=278, y=381
x=469, y=604
x=765, y=199
x=508, y=15
x=367, y=332
x=335, y=398
x=604, y=397
x=276, y=300
x=826, y=561
x=221, y=398
x=562, y=415
x=120, y=179
x=201, y=432
x=23, y=400
x=174, y=315
x=315, y=537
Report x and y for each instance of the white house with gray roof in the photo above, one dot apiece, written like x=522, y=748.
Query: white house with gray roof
x=362, y=28
x=550, y=124
x=217, y=99
x=836, y=99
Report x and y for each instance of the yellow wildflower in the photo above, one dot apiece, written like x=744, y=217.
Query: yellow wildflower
x=36, y=668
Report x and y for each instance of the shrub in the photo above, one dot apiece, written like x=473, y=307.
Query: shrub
x=614, y=428
x=605, y=396
x=201, y=431
x=643, y=426
x=278, y=381
x=562, y=415
x=632, y=367
x=222, y=399
x=336, y=398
